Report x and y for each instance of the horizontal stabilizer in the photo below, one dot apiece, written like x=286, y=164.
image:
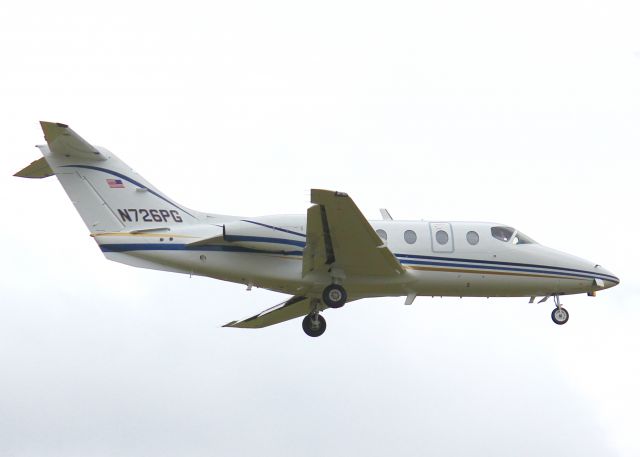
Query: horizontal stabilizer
x=37, y=169
x=296, y=306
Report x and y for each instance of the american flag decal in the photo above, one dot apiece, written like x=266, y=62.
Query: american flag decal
x=115, y=183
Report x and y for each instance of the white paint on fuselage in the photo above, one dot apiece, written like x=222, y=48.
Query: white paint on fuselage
x=489, y=268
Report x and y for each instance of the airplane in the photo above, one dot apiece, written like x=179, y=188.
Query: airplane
x=325, y=258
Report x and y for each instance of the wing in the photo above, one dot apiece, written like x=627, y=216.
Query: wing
x=296, y=306
x=339, y=236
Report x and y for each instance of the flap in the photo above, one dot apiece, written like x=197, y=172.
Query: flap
x=318, y=251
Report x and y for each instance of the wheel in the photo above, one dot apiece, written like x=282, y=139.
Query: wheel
x=560, y=316
x=314, y=325
x=334, y=296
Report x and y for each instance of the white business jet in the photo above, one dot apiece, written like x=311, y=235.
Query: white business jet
x=324, y=259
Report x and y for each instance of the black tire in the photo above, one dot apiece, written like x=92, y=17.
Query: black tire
x=560, y=316
x=307, y=326
x=334, y=296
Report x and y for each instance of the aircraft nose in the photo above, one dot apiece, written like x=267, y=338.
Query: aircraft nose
x=607, y=277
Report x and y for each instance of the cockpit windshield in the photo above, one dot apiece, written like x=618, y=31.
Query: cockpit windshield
x=502, y=233
x=521, y=238
x=508, y=234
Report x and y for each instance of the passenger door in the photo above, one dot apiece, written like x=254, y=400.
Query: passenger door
x=441, y=237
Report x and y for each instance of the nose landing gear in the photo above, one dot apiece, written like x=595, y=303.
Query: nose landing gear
x=314, y=324
x=559, y=315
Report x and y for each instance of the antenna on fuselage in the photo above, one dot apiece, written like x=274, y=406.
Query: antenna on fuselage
x=385, y=214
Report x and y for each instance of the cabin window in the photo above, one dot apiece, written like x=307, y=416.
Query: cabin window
x=442, y=237
x=410, y=236
x=502, y=233
x=472, y=237
x=382, y=234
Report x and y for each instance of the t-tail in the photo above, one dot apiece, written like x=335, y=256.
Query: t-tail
x=107, y=193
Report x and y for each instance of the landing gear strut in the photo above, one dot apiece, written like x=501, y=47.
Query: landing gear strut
x=559, y=315
x=334, y=296
x=314, y=324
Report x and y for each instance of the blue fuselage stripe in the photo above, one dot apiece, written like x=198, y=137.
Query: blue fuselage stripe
x=462, y=264
x=410, y=257
x=126, y=247
x=547, y=271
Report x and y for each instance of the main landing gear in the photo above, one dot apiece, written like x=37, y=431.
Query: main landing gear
x=333, y=296
x=559, y=315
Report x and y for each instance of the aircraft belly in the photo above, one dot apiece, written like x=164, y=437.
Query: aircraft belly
x=140, y=262
x=281, y=273
x=268, y=271
x=485, y=285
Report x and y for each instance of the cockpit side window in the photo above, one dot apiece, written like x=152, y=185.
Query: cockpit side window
x=502, y=233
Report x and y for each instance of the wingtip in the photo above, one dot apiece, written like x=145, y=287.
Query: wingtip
x=230, y=324
x=321, y=196
x=57, y=124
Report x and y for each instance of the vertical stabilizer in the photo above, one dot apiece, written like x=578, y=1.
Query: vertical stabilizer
x=107, y=193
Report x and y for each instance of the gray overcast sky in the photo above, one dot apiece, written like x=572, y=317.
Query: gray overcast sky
x=524, y=113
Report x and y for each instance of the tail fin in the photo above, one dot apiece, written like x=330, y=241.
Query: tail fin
x=108, y=195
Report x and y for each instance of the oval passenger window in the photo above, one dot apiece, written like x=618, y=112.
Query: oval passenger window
x=442, y=237
x=410, y=236
x=473, y=237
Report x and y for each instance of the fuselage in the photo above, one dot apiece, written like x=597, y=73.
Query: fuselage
x=466, y=259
